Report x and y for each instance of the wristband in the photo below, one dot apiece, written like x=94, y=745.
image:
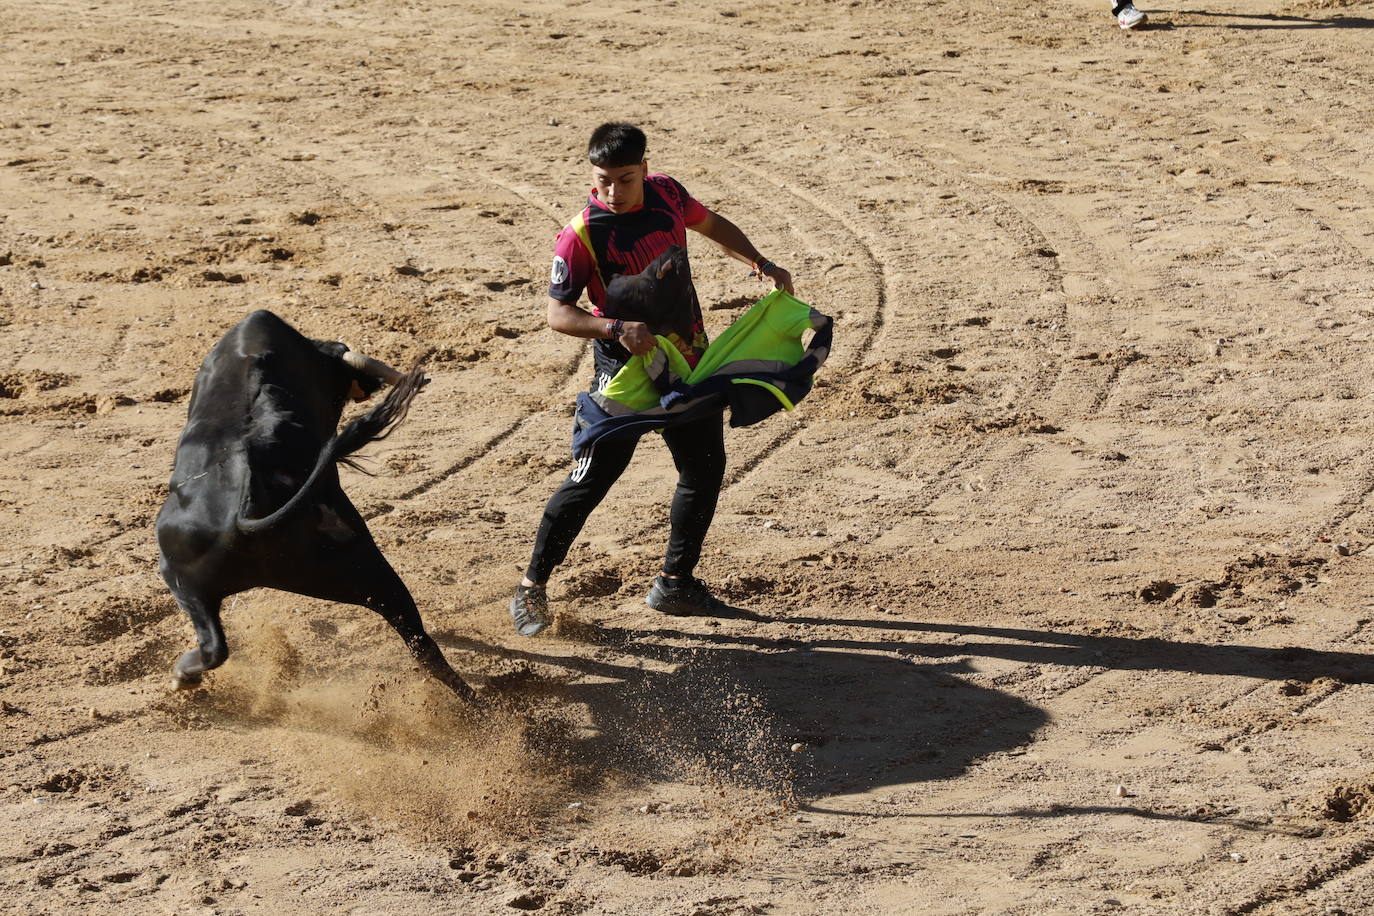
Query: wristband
x=615, y=328
x=763, y=266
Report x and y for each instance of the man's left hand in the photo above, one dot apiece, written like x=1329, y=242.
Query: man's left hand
x=636, y=337
x=780, y=277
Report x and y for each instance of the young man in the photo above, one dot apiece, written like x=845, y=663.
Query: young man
x=631, y=218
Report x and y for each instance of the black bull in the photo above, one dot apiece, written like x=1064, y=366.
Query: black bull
x=255, y=499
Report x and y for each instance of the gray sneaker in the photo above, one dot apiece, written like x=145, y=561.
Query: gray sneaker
x=530, y=610
x=682, y=597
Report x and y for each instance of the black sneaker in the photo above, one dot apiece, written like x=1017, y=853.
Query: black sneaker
x=682, y=597
x=530, y=609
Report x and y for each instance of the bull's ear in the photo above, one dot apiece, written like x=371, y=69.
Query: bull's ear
x=331, y=348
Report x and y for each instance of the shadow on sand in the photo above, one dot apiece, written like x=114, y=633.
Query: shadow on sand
x=1254, y=21
x=735, y=708
x=869, y=712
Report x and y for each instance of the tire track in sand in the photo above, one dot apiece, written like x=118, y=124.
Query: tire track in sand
x=1043, y=377
x=560, y=383
x=1335, y=865
x=1046, y=381
x=1249, y=156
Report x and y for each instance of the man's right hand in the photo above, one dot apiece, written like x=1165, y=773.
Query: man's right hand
x=637, y=338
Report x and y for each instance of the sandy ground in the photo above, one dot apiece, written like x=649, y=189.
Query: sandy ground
x=1060, y=579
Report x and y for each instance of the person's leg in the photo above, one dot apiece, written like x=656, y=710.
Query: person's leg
x=569, y=507
x=564, y=516
x=698, y=450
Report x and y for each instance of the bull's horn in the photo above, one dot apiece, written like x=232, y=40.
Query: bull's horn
x=665, y=268
x=369, y=366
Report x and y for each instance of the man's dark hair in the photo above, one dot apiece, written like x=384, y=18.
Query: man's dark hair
x=615, y=144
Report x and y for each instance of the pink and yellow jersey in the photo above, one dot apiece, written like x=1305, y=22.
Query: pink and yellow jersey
x=625, y=243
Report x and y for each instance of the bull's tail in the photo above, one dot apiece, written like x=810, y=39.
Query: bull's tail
x=372, y=426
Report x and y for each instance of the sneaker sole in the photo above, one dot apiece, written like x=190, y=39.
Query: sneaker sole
x=1136, y=24
x=666, y=605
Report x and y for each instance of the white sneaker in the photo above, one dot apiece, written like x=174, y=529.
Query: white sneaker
x=1129, y=17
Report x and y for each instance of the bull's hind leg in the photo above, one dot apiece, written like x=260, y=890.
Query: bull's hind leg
x=361, y=575
x=212, y=652
x=392, y=600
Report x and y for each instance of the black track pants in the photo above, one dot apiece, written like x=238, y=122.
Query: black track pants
x=698, y=450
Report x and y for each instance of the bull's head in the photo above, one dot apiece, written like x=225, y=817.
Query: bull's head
x=371, y=374
x=660, y=295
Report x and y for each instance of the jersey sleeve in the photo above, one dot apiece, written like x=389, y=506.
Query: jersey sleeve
x=572, y=266
x=688, y=207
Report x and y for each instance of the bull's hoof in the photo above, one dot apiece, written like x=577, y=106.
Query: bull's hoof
x=183, y=679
